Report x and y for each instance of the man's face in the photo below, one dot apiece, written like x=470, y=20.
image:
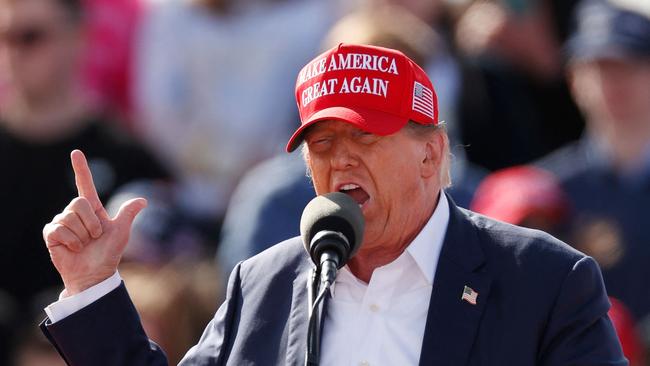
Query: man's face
x=614, y=94
x=40, y=43
x=386, y=175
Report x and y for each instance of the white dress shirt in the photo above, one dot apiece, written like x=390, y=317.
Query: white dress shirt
x=382, y=322
x=379, y=323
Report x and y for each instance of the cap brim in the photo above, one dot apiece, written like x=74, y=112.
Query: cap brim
x=369, y=120
x=612, y=48
x=606, y=52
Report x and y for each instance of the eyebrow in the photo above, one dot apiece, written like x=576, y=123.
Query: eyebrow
x=314, y=128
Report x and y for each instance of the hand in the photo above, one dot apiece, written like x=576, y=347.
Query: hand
x=85, y=244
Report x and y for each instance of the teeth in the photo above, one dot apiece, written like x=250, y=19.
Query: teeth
x=348, y=187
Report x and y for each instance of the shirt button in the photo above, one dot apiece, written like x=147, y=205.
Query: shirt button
x=364, y=363
x=374, y=308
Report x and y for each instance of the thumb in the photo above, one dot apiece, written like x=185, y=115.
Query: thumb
x=128, y=211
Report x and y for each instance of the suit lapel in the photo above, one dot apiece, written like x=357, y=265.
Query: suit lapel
x=451, y=321
x=298, y=319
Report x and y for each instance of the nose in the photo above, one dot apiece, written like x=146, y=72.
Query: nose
x=343, y=156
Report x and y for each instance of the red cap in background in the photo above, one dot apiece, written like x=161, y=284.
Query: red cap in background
x=627, y=333
x=516, y=193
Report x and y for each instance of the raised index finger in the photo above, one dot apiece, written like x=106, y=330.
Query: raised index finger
x=84, y=179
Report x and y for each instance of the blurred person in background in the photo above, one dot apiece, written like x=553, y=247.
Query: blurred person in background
x=3, y=75
x=44, y=114
x=606, y=174
x=31, y=347
x=161, y=233
x=8, y=323
x=174, y=302
x=111, y=30
x=168, y=269
x=214, y=89
x=272, y=195
x=161, y=291
x=515, y=105
x=532, y=197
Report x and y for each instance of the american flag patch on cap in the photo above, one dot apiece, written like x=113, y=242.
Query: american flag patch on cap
x=422, y=99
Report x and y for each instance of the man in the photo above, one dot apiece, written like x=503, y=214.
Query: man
x=272, y=196
x=515, y=105
x=432, y=284
x=45, y=113
x=606, y=174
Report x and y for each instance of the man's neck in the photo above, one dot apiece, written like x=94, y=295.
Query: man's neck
x=46, y=119
x=364, y=263
x=625, y=152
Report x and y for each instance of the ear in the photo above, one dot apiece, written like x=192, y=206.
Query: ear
x=432, y=155
x=570, y=75
x=578, y=85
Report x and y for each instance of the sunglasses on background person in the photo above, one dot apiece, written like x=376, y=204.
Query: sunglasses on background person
x=25, y=38
x=31, y=36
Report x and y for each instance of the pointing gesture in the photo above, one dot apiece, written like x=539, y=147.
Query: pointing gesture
x=85, y=244
x=84, y=180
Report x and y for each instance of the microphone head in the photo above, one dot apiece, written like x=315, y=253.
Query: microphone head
x=334, y=212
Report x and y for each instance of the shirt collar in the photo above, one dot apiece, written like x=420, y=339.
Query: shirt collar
x=424, y=249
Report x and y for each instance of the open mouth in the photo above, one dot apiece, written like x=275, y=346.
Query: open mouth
x=355, y=192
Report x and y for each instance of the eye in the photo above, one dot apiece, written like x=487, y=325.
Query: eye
x=366, y=137
x=318, y=140
x=318, y=143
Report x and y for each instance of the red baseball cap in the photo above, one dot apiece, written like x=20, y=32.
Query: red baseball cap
x=374, y=88
x=515, y=193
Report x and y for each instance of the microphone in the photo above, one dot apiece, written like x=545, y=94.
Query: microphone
x=332, y=231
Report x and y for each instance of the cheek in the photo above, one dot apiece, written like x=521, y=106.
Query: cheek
x=320, y=185
x=641, y=92
x=395, y=178
x=319, y=177
x=626, y=101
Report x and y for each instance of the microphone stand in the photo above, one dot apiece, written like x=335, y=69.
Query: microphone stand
x=322, y=278
x=316, y=296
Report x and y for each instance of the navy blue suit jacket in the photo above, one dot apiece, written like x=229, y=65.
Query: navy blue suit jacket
x=539, y=303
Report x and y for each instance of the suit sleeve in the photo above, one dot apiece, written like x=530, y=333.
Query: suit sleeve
x=105, y=333
x=108, y=332
x=579, y=331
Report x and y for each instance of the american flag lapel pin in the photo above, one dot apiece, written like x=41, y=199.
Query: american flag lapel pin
x=469, y=295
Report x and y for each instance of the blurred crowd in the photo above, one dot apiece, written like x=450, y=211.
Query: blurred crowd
x=189, y=103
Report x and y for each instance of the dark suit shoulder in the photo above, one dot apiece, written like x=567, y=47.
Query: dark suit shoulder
x=287, y=258
x=548, y=294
